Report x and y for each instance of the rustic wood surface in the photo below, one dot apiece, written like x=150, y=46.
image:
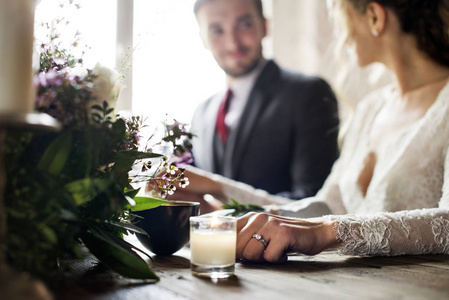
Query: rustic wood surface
x=324, y=276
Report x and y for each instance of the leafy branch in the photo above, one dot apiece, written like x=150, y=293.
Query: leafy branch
x=241, y=209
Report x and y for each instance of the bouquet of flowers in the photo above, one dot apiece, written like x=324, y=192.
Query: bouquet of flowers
x=73, y=188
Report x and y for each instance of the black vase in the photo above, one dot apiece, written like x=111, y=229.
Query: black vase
x=167, y=226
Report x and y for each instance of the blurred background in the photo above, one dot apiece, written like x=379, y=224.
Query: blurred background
x=167, y=71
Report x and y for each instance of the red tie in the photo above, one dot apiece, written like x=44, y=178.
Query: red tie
x=220, y=125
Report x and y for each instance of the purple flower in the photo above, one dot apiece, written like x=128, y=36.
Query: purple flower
x=64, y=95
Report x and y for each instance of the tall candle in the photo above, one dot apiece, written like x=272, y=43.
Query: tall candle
x=16, y=55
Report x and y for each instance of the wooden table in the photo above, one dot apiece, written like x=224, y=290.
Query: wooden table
x=324, y=276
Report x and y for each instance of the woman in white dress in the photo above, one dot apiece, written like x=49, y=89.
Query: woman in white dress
x=388, y=193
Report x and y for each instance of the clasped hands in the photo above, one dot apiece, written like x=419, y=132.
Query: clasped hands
x=282, y=235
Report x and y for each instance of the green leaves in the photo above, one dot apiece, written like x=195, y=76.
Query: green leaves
x=102, y=113
x=48, y=234
x=143, y=203
x=117, y=256
x=178, y=137
x=132, y=155
x=241, y=209
x=75, y=183
x=124, y=160
x=55, y=157
x=86, y=189
x=127, y=226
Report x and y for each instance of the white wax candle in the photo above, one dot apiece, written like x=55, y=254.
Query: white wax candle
x=16, y=56
x=213, y=248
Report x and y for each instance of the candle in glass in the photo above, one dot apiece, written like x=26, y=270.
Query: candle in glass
x=16, y=56
x=213, y=245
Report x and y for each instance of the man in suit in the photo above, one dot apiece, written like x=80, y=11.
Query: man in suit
x=280, y=127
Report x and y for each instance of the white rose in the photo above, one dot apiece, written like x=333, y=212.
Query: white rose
x=78, y=71
x=107, y=85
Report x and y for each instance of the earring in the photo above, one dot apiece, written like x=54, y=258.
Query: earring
x=375, y=32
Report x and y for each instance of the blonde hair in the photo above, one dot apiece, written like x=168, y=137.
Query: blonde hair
x=342, y=24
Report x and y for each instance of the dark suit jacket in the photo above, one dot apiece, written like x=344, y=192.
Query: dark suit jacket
x=286, y=140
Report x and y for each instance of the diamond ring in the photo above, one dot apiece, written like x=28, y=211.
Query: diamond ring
x=260, y=239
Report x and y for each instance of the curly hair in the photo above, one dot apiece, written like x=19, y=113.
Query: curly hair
x=427, y=20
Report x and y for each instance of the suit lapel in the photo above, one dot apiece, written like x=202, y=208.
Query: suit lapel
x=238, y=140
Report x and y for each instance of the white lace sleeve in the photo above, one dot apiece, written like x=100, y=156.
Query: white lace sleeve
x=423, y=231
x=408, y=232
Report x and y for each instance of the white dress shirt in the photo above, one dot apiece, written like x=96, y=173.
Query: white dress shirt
x=241, y=88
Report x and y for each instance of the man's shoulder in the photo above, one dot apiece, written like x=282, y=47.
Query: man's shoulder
x=295, y=89
x=205, y=106
x=305, y=86
x=298, y=78
x=291, y=78
x=206, y=102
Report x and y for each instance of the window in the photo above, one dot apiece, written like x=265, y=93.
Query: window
x=96, y=31
x=171, y=70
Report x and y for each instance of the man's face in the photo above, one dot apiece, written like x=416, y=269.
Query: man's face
x=233, y=31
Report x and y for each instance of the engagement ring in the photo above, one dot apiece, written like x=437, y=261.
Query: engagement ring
x=260, y=239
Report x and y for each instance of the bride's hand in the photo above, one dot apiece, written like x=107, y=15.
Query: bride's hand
x=282, y=235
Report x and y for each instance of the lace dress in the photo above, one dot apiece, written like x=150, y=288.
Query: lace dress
x=406, y=207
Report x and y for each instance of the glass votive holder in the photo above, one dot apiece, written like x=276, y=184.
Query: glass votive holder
x=212, y=246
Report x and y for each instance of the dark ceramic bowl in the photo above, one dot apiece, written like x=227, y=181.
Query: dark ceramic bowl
x=167, y=226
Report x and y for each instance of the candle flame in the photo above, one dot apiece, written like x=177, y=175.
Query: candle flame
x=214, y=222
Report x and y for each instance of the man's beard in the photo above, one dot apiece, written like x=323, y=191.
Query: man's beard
x=241, y=72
